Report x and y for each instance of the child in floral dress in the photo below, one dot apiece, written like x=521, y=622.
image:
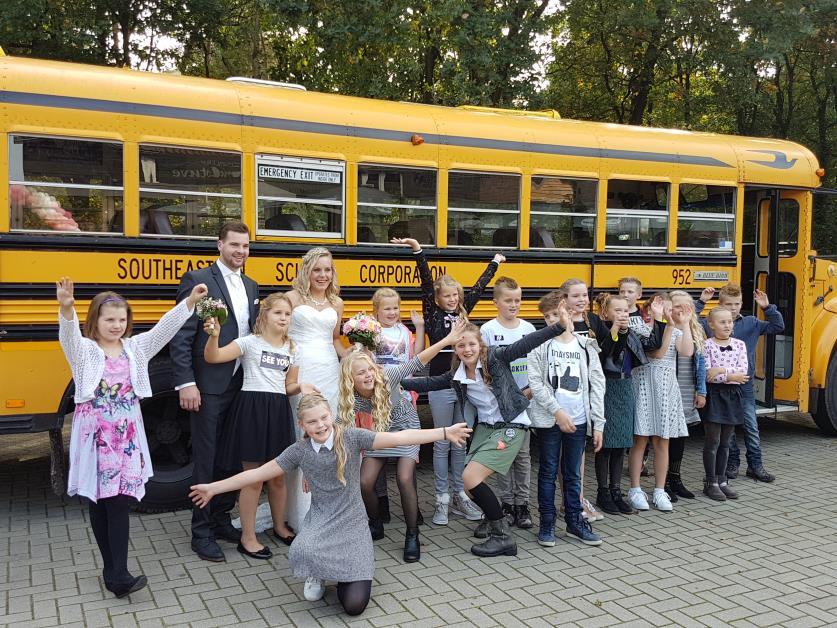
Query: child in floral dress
x=109, y=459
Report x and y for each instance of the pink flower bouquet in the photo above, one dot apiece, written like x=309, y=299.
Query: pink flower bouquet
x=215, y=308
x=363, y=329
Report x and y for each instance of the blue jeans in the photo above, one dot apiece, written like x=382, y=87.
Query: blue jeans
x=751, y=437
x=555, y=446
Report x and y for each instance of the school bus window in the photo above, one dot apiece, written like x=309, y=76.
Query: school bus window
x=706, y=218
x=788, y=227
x=563, y=213
x=65, y=185
x=300, y=197
x=483, y=209
x=188, y=192
x=395, y=202
x=637, y=214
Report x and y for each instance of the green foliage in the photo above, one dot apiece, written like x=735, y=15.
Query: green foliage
x=761, y=68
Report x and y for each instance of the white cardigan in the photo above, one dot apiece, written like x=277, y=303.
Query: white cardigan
x=87, y=359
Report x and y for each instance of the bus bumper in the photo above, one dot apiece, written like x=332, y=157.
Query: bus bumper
x=30, y=423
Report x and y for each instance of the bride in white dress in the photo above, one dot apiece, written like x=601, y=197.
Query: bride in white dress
x=315, y=330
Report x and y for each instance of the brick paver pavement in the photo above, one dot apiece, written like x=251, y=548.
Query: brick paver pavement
x=767, y=559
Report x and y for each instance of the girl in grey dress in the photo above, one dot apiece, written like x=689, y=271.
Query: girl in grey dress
x=334, y=543
x=370, y=396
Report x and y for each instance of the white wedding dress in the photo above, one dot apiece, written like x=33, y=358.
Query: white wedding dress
x=312, y=332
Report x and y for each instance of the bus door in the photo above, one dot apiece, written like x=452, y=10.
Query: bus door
x=775, y=259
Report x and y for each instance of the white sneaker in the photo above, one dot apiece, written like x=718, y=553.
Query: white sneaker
x=589, y=512
x=463, y=506
x=661, y=501
x=314, y=589
x=440, y=516
x=638, y=499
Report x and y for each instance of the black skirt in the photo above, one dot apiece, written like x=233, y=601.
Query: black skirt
x=723, y=404
x=259, y=429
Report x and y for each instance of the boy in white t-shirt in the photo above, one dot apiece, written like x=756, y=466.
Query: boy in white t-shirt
x=507, y=328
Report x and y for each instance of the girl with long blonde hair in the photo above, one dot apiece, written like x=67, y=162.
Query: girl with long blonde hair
x=334, y=543
x=443, y=301
x=371, y=397
x=261, y=423
x=691, y=379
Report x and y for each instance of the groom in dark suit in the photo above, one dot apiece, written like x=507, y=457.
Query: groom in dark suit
x=207, y=390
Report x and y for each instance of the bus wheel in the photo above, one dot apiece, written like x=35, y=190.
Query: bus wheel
x=168, y=431
x=826, y=415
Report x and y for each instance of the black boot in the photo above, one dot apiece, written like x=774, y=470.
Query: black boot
x=523, y=517
x=500, y=541
x=604, y=500
x=509, y=513
x=126, y=588
x=675, y=482
x=412, y=547
x=481, y=531
x=624, y=507
x=672, y=496
x=376, y=528
x=713, y=491
x=383, y=509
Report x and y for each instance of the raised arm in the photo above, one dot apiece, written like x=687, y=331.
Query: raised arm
x=473, y=295
x=418, y=337
x=522, y=347
x=180, y=348
x=214, y=354
x=775, y=323
x=428, y=297
x=171, y=322
x=69, y=334
x=455, y=434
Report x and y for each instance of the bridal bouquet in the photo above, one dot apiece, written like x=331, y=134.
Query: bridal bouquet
x=215, y=308
x=363, y=329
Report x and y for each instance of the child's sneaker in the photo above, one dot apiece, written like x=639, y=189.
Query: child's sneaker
x=546, y=533
x=462, y=505
x=638, y=499
x=589, y=512
x=582, y=531
x=661, y=501
x=314, y=589
x=440, y=516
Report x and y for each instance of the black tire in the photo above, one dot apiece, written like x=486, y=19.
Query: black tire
x=826, y=415
x=169, y=441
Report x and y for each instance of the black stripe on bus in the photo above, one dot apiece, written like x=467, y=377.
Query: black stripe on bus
x=156, y=292
x=121, y=244
x=307, y=126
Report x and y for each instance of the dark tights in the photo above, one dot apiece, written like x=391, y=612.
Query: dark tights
x=676, y=447
x=485, y=498
x=109, y=520
x=370, y=469
x=354, y=596
x=609, y=461
x=716, y=450
x=381, y=483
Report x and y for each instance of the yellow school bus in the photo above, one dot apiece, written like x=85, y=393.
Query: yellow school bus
x=121, y=180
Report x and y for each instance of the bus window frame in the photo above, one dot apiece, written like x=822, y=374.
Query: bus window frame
x=709, y=216
x=335, y=165
x=400, y=166
x=503, y=173
x=193, y=147
x=594, y=214
x=73, y=186
x=620, y=212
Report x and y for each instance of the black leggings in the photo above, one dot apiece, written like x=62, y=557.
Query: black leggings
x=609, y=461
x=676, y=447
x=716, y=450
x=110, y=523
x=370, y=470
x=354, y=596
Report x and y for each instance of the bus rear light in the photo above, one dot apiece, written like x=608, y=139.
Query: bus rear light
x=820, y=172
